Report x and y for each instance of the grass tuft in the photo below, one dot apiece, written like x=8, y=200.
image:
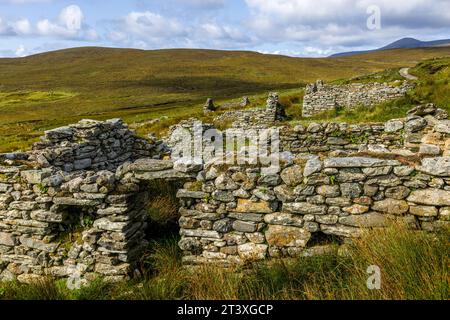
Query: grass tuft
x=414, y=265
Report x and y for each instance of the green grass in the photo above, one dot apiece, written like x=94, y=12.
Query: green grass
x=379, y=113
x=389, y=76
x=54, y=89
x=18, y=99
x=432, y=87
x=434, y=82
x=414, y=265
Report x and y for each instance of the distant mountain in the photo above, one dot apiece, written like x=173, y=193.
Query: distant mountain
x=405, y=43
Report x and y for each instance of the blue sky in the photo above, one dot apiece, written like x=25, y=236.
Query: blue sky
x=291, y=27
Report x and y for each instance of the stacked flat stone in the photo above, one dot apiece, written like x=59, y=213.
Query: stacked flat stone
x=245, y=101
x=91, y=144
x=238, y=214
x=242, y=215
x=320, y=98
x=255, y=118
x=38, y=206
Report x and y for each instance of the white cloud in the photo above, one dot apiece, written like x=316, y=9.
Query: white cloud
x=221, y=32
x=71, y=17
x=21, y=51
x=152, y=26
x=22, y=27
x=68, y=25
x=343, y=23
x=152, y=30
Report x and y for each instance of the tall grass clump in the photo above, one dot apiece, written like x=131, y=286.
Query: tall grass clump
x=45, y=289
x=413, y=265
x=163, y=206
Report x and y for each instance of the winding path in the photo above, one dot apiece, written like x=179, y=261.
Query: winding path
x=404, y=72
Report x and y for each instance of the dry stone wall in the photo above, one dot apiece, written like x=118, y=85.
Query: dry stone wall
x=323, y=191
x=241, y=215
x=91, y=144
x=62, y=220
x=255, y=118
x=320, y=97
x=81, y=224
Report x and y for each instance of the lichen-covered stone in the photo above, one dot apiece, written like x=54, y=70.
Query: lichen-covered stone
x=368, y=220
x=341, y=230
x=248, y=206
x=292, y=176
x=436, y=197
x=312, y=166
x=304, y=208
x=436, y=166
x=391, y=206
x=252, y=251
x=329, y=191
x=423, y=211
x=287, y=236
x=398, y=193
x=356, y=209
x=284, y=219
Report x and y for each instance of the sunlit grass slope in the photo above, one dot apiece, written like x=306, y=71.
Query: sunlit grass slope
x=57, y=88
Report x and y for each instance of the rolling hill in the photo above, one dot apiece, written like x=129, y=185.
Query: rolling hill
x=56, y=88
x=404, y=43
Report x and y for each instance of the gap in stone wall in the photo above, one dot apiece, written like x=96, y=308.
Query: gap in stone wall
x=319, y=239
x=162, y=208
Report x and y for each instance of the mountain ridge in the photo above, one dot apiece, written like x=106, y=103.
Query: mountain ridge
x=404, y=43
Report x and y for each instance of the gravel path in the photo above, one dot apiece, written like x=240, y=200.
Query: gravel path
x=404, y=72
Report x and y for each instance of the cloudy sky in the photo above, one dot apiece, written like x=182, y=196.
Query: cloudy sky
x=291, y=27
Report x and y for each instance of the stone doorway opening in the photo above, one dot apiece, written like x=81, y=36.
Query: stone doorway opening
x=162, y=209
x=162, y=231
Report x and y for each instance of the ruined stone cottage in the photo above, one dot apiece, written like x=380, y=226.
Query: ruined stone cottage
x=320, y=97
x=333, y=181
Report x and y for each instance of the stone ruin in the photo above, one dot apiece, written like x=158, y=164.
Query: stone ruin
x=334, y=180
x=210, y=106
x=272, y=114
x=320, y=97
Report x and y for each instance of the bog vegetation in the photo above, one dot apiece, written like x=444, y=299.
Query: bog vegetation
x=54, y=89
